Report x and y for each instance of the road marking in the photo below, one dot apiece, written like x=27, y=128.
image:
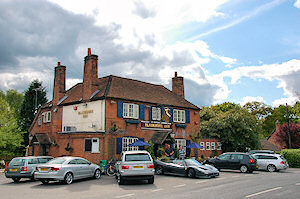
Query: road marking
x=180, y=185
x=126, y=195
x=236, y=176
x=255, y=194
x=220, y=178
x=202, y=181
x=155, y=190
x=249, y=175
x=298, y=184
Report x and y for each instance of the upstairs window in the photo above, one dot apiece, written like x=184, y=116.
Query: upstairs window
x=46, y=117
x=179, y=116
x=156, y=113
x=131, y=111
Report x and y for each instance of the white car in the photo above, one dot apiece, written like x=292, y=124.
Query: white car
x=135, y=165
x=271, y=162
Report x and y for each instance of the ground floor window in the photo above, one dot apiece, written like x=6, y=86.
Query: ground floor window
x=127, y=141
x=91, y=145
x=213, y=146
x=207, y=145
x=180, y=142
x=202, y=146
x=219, y=146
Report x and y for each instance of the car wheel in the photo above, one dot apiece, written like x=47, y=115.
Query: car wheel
x=159, y=170
x=151, y=180
x=45, y=181
x=97, y=174
x=69, y=178
x=244, y=169
x=120, y=180
x=271, y=168
x=16, y=179
x=191, y=173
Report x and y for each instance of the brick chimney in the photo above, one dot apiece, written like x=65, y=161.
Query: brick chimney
x=59, y=83
x=177, y=85
x=90, y=75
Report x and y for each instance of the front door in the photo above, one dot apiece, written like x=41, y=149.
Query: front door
x=222, y=162
x=235, y=161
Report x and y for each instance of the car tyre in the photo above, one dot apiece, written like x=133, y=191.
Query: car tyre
x=159, y=170
x=244, y=169
x=151, y=180
x=69, y=178
x=271, y=168
x=16, y=179
x=97, y=174
x=45, y=181
x=120, y=180
x=191, y=173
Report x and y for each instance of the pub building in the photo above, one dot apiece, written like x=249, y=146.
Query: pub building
x=98, y=118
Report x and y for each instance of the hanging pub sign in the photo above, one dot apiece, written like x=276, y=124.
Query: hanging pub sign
x=156, y=125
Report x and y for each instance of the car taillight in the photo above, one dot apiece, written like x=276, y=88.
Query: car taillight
x=5, y=168
x=281, y=162
x=24, y=169
x=251, y=161
x=150, y=166
x=125, y=167
x=54, y=169
x=36, y=169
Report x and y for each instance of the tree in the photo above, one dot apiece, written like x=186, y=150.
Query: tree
x=10, y=135
x=15, y=100
x=258, y=109
x=35, y=96
x=234, y=126
x=281, y=136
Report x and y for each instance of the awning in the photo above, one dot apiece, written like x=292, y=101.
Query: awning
x=41, y=138
x=159, y=137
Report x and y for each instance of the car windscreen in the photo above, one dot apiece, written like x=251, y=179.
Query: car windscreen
x=192, y=162
x=57, y=161
x=17, y=162
x=137, y=157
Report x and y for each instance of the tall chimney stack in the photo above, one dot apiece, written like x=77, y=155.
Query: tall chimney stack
x=90, y=75
x=59, y=83
x=177, y=85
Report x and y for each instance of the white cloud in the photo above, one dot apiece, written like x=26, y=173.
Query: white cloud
x=297, y=4
x=282, y=101
x=251, y=99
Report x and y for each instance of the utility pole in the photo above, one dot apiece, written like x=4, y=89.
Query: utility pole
x=288, y=123
x=36, y=90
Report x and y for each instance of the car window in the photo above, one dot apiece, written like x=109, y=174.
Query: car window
x=57, y=161
x=237, y=156
x=32, y=161
x=73, y=161
x=192, y=162
x=179, y=162
x=137, y=157
x=224, y=157
x=44, y=160
x=80, y=161
x=17, y=162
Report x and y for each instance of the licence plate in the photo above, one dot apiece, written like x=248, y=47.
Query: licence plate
x=13, y=169
x=137, y=167
x=44, y=169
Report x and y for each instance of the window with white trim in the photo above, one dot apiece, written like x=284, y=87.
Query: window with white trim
x=91, y=145
x=207, y=145
x=127, y=141
x=156, y=113
x=180, y=142
x=202, y=146
x=131, y=111
x=219, y=146
x=46, y=117
x=213, y=146
x=179, y=116
x=39, y=121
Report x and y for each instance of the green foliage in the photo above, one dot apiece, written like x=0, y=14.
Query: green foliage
x=150, y=149
x=15, y=100
x=234, y=126
x=292, y=156
x=10, y=135
x=32, y=100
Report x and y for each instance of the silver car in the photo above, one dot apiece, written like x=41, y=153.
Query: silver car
x=67, y=169
x=24, y=167
x=135, y=165
x=271, y=162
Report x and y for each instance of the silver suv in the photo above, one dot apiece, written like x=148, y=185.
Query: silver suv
x=135, y=165
x=271, y=162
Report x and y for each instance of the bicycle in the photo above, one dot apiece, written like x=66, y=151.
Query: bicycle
x=111, y=169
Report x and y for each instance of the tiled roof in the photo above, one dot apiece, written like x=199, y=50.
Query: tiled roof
x=129, y=89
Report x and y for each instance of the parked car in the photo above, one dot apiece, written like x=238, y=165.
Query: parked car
x=24, y=167
x=236, y=161
x=135, y=165
x=260, y=151
x=271, y=162
x=188, y=167
x=66, y=169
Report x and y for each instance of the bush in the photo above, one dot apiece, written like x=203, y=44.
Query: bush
x=292, y=156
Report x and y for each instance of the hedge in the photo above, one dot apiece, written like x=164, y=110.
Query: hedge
x=292, y=156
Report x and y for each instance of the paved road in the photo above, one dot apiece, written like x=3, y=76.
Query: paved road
x=230, y=184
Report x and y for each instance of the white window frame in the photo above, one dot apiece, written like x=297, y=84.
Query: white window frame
x=213, y=145
x=180, y=142
x=95, y=148
x=203, y=147
x=207, y=146
x=46, y=117
x=130, y=110
x=156, y=113
x=39, y=121
x=179, y=116
x=129, y=140
x=219, y=146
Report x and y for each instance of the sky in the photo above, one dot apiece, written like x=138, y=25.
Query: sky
x=227, y=50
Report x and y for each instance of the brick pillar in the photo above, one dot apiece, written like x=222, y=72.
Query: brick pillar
x=90, y=75
x=177, y=85
x=59, y=83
